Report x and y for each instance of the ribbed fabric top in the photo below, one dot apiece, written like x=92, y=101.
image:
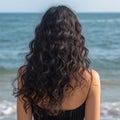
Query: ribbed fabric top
x=74, y=114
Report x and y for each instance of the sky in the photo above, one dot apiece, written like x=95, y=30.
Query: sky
x=76, y=5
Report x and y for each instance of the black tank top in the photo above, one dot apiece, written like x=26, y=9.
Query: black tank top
x=74, y=114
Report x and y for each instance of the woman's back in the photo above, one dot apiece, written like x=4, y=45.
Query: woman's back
x=85, y=103
x=74, y=105
x=78, y=96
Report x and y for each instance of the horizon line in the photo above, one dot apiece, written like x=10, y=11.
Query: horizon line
x=44, y=12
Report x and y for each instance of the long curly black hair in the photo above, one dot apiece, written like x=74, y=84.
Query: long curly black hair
x=57, y=55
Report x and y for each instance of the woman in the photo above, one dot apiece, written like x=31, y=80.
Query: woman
x=56, y=82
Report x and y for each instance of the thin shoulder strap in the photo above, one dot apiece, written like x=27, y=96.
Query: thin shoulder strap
x=90, y=85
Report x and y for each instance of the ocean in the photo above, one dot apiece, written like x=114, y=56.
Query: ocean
x=102, y=34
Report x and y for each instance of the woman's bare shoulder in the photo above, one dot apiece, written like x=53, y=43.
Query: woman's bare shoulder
x=94, y=84
x=21, y=71
x=95, y=77
x=93, y=98
x=92, y=78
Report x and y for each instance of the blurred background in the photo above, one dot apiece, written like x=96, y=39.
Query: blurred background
x=101, y=27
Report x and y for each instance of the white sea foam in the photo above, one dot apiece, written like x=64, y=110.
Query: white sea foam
x=110, y=109
x=7, y=108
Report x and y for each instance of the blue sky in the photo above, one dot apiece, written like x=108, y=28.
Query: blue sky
x=77, y=5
